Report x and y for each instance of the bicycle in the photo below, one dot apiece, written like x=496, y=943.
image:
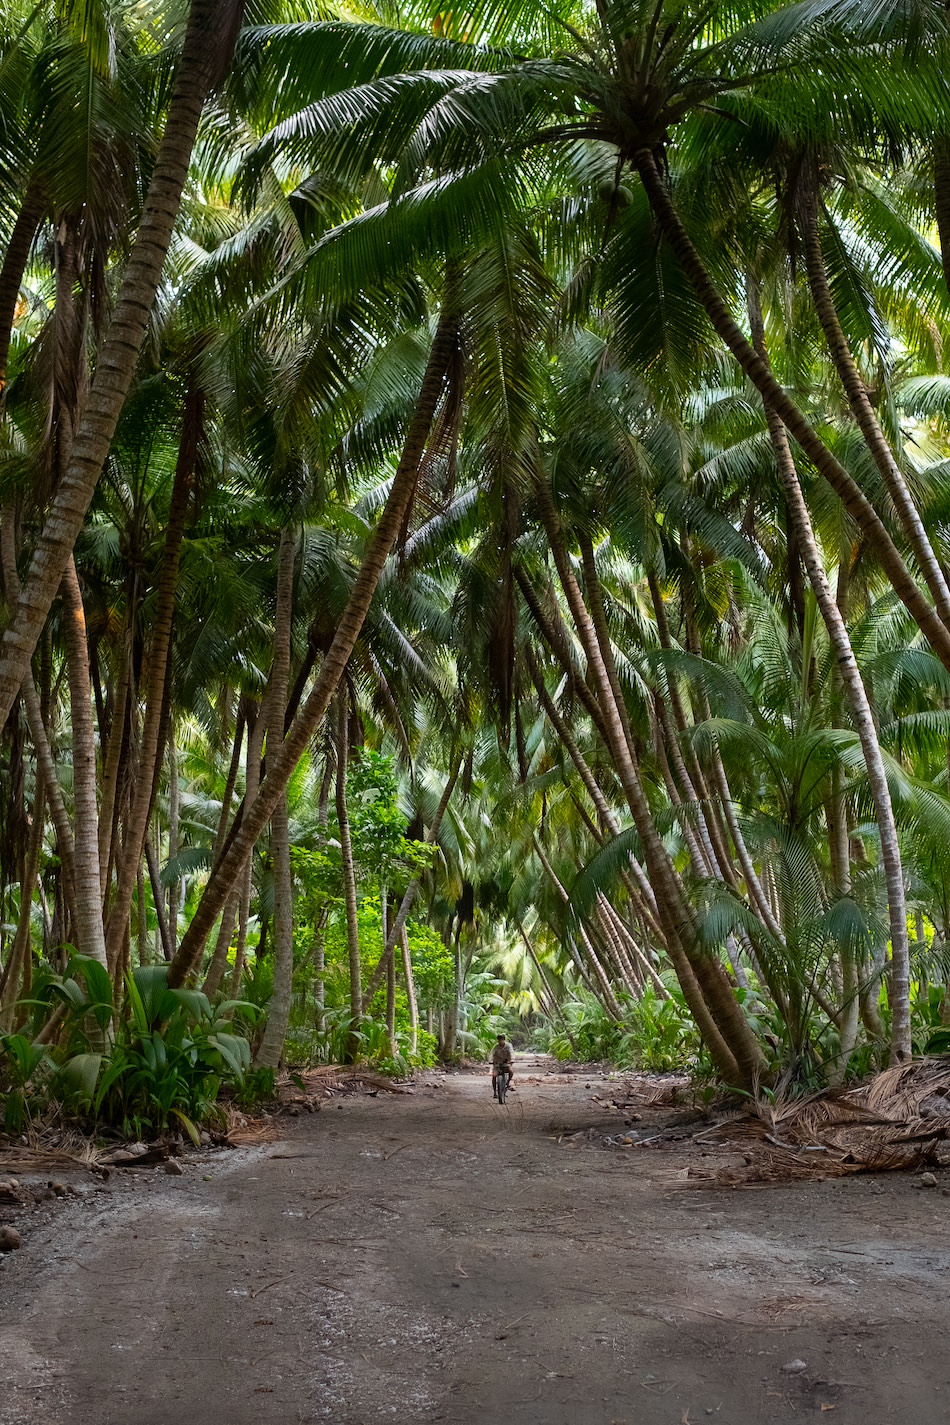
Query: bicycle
x=502, y=1075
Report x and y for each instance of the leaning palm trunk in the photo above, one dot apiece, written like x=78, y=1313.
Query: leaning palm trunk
x=899, y=982
x=601, y=984
x=863, y=411
x=219, y=959
x=412, y=890
x=760, y=374
x=278, y=1017
x=209, y=43
x=156, y=692
x=45, y=763
x=718, y=1015
x=311, y=715
x=14, y=265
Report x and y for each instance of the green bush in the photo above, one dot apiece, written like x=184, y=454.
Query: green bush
x=654, y=1034
x=160, y=1060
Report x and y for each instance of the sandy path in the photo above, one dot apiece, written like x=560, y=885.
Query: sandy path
x=431, y=1258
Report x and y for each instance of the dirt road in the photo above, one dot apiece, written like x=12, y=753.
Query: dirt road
x=431, y=1258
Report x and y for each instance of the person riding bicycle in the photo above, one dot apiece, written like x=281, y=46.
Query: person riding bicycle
x=501, y=1054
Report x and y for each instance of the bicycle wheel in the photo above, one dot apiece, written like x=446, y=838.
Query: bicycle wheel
x=502, y=1085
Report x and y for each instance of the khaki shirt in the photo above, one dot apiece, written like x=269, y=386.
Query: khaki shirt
x=501, y=1054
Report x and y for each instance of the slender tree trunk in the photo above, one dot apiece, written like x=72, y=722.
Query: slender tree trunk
x=319, y=983
x=209, y=41
x=391, y=1002
x=174, y=835
x=46, y=765
x=278, y=1016
x=156, y=690
x=863, y=411
x=244, y=916
x=90, y=935
x=311, y=715
x=604, y=991
x=412, y=890
x=849, y=1016
x=644, y=891
x=230, y=783
x=941, y=162
x=158, y=900
x=13, y=267
x=219, y=960
x=21, y=951
x=410, y=994
x=550, y=627
x=141, y=917
x=899, y=984
x=760, y=374
x=718, y=1016
x=112, y=764
x=349, y=879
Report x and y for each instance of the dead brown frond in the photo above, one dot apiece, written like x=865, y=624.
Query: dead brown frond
x=240, y=1131
x=894, y=1123
x=20, y=1159
x=336, y=1078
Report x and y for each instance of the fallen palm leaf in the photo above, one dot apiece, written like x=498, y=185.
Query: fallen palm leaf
x=894, y=1123
x=340, y=1078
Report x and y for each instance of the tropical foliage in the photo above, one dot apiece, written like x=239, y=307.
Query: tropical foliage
x=474, y=503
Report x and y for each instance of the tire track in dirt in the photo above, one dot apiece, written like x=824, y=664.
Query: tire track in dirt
x=430, y=1258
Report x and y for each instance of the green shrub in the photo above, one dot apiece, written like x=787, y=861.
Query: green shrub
x=653, y=1034
x=161, y=1060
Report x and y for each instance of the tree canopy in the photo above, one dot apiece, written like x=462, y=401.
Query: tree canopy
x=474, y=507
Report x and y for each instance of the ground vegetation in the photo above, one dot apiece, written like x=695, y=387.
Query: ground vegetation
x=473, y=517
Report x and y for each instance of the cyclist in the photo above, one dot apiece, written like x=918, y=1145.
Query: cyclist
x=501, y=1054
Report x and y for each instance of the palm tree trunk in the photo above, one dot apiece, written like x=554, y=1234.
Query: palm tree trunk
x=604, y=991
x=174, y=835
x=349, y=878
x=158, y=900
x=760, y=374
x=410, y=994
x=391, y=1006
x=412, y=890
x=208, y=46
x=156, y=691
x=21, y=950
x=849, y=1016
x=113, y=746
x=141, y=918
x=230, y=783
x=718, y=1016
x=244, y=916
x=90, y=934
x=311, y=715
x=941, y=163
x=644, y=890
x=899, y=983
x=278, y=1016
x=219, y=959
x=46, y=765
x=863, y=411
x=15, y=259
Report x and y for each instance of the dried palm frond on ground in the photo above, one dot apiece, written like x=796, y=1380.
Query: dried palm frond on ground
x=50, y=1147
x=21, y=1159
x=895, y=1122
x=642, y=1092
x=336, y=1078
x=240, y=1131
